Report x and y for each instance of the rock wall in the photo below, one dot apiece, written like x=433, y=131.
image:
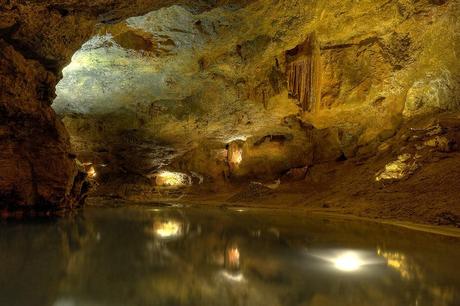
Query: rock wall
x=37, y=39
x=177, y=86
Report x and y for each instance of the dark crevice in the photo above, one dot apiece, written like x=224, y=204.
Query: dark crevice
x=61, y=10
x=339, y=46
x=364, y=42
x=274, y=138
x=7, y=33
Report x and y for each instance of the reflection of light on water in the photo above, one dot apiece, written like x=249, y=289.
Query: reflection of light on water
x=233, y=257
x=348, y=262
x=64, y=302
x=234, y=277
x=410, y=271
x=396, y=261
x=167, y=229
x=232, y=265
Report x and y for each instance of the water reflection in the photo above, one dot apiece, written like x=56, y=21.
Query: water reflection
x=166, y=229
x=175, y=256
x=399, y=262
x=348, y=260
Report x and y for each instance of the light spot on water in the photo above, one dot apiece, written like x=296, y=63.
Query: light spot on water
x=348, y=262
x=167, y=229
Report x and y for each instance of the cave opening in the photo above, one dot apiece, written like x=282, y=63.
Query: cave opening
x=148, y=95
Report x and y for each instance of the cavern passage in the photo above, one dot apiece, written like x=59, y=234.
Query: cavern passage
x=331, y=103
x=146, y=110
x=344, y=106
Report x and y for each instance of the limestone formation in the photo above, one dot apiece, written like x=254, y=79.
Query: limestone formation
x=37, y=39
x=304, y=74
x=224, y=91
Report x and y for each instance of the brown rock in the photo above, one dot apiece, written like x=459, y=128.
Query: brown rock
x=295, y=174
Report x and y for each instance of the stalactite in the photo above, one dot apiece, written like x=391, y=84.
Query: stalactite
x=304, y=74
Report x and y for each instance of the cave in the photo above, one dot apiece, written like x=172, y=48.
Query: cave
x=229, y=152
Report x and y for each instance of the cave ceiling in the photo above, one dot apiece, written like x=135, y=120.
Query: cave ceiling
x=219, y=89
x=152, y=88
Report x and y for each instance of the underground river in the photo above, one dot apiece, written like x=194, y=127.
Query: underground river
x=173, y=255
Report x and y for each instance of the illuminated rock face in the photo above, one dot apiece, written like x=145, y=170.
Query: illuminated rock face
x=293, y=84
x=297, y=83
x=37, y=39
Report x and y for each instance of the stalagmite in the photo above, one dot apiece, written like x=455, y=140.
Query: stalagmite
x=304, y=74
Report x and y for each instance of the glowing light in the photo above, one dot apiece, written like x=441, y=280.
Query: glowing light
x=92, y=172
x=167, y=229
x=348, y=262
x=237, y=209
x=237, y=157
x=168, y=178
x=235, y=154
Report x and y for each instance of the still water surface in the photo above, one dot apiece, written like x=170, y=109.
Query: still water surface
x=189, y=256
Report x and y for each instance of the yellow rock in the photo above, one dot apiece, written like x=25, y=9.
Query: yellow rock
x=441, y=143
